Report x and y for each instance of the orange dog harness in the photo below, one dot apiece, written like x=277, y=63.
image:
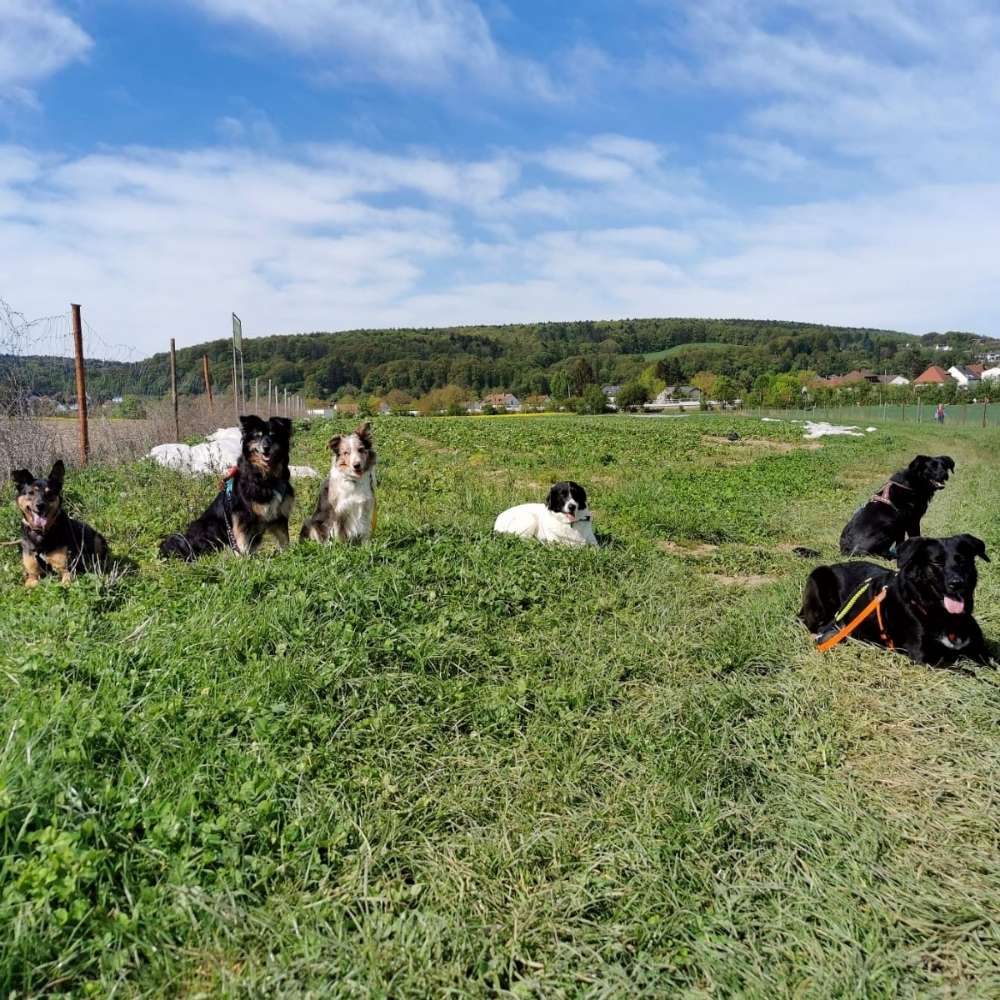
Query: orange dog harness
x=841, y=632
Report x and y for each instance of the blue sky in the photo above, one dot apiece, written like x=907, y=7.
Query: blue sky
x=325, y=164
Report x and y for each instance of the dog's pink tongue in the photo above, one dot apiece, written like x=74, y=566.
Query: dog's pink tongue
x=954, y=606
x=40, y=521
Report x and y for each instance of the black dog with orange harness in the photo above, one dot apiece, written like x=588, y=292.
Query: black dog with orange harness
x=924, y=610
x=896, y=510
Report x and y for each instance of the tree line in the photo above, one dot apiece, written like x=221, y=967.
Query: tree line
x=543, y=359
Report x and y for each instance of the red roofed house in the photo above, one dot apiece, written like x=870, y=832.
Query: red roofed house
x=935, y=375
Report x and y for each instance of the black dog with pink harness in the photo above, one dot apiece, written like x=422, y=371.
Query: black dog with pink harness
x=894, y=513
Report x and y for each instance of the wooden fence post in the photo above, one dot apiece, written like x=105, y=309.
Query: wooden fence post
x=208, y=382
x=81, y=385
x=173, y=389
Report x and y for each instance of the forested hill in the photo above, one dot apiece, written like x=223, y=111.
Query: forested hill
x=524, y=358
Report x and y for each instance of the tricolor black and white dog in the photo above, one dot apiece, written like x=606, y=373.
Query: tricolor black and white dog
x=345, y=508
x=928, y=608
x=255, y=500
x=895, y=512
x=564, y=518
x=51, y=541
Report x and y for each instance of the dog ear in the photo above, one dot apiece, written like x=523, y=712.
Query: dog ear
x=552, y=500
x=280, y=426
x=907, y=551
x=21, y=478
x=56, y=476
x=334, y=443
x=364, y=431
x=977, y=545
x=919, y=464
x=579, y=494
x=250, y=423
x=949, y=462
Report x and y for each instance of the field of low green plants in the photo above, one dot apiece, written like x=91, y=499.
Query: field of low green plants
x=448, y=765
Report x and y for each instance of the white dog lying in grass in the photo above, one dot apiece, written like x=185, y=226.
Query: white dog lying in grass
x=564, y=518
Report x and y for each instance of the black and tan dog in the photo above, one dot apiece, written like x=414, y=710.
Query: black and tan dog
x=895, y=512
x=51, y=541
x=926, y=610
x=256, y=498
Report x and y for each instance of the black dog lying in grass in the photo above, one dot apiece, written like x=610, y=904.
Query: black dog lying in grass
x=256, y=499
x=50, y=538
x=895, y=512
x=927, y=608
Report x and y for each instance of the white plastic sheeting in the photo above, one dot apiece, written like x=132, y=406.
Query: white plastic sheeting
x=820, y=428
x=220, y=450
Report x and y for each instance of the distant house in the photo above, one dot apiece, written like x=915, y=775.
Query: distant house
x=320, y=413
x=898, y=380
x=977, y=369
x=43, y=406
x=942, y=347
x=851, y=378
x=536, y=404
x=964, y=376
x=935, y=375
x=993, y=374
x=990, y=357
x=611, y=392
x=675, y=397
x=346, y=408
x=502, y=401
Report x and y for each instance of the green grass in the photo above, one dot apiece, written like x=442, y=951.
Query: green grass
x=710, y=345
x=444, y=764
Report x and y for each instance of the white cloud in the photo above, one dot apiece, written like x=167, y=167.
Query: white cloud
x=159, y=244
x=766, y=158
x=903, y=90
x=36, y=40
x=631, y=174
x=423, y=43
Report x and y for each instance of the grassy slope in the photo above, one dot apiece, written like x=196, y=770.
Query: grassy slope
x=443, y=764
x=681, y=348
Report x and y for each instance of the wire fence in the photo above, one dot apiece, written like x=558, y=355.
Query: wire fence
x=40, y=411
x=968, y=414
x=129, y=412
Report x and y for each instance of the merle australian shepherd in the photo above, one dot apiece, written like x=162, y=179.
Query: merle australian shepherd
x=895, y=512
x=928, y=606
x=256, y=499
x=345, y=508
x=51, y=541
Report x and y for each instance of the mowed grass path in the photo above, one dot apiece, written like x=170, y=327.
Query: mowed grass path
x=444, y=764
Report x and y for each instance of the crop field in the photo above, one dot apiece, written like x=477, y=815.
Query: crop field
x=447, y=765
